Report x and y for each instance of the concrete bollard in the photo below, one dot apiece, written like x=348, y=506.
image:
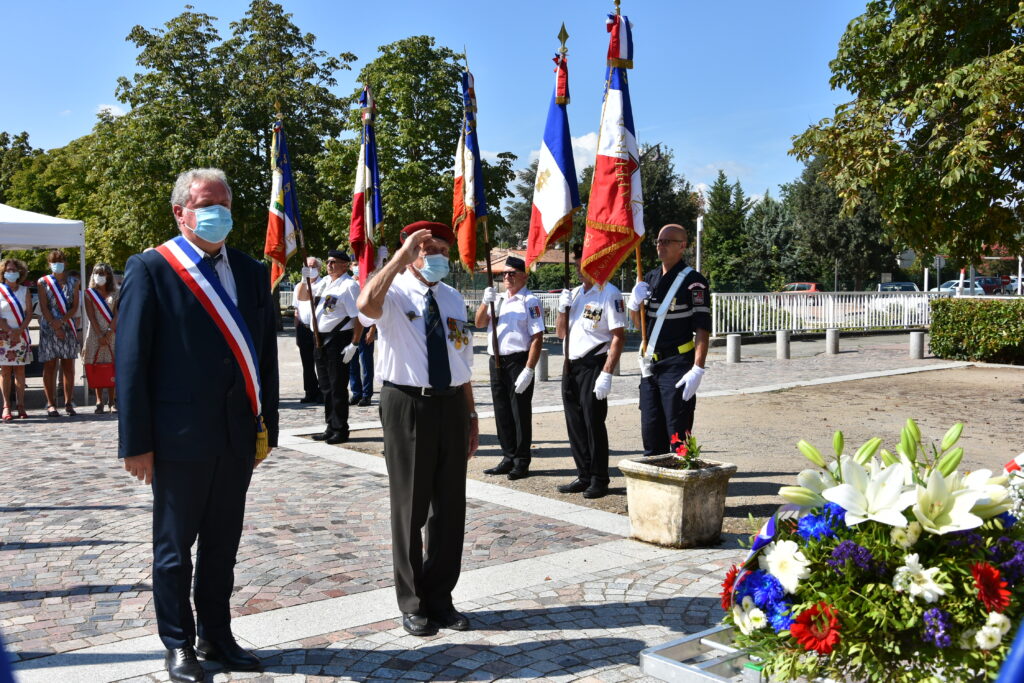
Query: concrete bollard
x=917, y=345
x=782, y=344
x=542, y=366
x=832, y=341
x=732, y=348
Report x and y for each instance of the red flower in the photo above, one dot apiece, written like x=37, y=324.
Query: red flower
x=991, y=587
x=675, y=439
x=730, y=580
x=817, y=628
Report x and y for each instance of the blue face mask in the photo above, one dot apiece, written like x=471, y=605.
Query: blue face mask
x=11, y=275
x=213, y=223
x=435, y=267
x=57, y=267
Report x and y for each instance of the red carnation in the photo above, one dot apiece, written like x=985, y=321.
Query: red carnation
x=817, y=628
x=991, y=587
x=730, y=580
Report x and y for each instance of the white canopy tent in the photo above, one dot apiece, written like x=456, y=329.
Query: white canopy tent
x=28, y=230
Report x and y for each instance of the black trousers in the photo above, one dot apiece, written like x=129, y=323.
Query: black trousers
x=426, y=441
x=513, y=413
x=584, y=419
x=304, y=340
x=333, y=376
x=663, y=412
x=204, y=500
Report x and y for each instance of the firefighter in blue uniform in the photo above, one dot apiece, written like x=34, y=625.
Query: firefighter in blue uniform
x=677, y=301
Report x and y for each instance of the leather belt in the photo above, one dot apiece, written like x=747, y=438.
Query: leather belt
x=672, y=352
x=422, y=391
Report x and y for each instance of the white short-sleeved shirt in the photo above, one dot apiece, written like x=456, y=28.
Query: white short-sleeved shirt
x=21, y=294
x=592, y=317
x=519, y=318
x=401, y=355
x=337, y=301
x=304, y=308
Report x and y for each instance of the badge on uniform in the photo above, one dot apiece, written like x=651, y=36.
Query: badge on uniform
x=458, y=333
x=534, y=311
x=593, y=313
x=697, y=292
x=619, y=306
x=329, y=303
x=411, y=315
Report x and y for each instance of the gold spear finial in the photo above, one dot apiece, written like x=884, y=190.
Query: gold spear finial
x=563, y=36
x=617, y=11
x=277, y=107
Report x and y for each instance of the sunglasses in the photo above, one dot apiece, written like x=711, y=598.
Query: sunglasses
x=510, y=273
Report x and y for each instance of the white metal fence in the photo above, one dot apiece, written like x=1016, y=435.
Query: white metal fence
x=774, y=311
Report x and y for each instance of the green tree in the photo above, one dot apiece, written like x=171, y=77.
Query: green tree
x=15, y=153
x=519, y=210
x=724, y=242
x=668, y=198
x=934, y=129
x=772, y=256
x=854, y=245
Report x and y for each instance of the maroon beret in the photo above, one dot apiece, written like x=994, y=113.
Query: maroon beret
x=438, y=230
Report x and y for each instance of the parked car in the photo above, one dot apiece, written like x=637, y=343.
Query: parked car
x=802, y=287
x=991, y=285
x=898, y=287
x=951, y=286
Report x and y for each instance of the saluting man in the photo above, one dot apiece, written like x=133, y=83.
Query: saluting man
x=595, y=319
x=427, y=411
x=337, y=319
x=677, y=301
x=520, y=337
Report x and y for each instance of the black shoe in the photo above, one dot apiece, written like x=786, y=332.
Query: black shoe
x=324, y=435
x=595, y=491
x=352, y=400
x=310, y=398
x=574, y=486
x=182, y=665
x=364, y=401
x=518, y=473
x=417, y=625
x=229, y=653
x=336, y=438
x=501, y=468
x=452, y=619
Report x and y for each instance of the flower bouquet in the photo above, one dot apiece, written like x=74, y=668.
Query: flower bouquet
x=883, y=567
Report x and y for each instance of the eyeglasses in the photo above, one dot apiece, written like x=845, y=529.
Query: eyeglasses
x=331, y=262
x=662, y=243
x=510, y=273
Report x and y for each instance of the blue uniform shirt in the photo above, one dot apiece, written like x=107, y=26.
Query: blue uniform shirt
x=689, y=309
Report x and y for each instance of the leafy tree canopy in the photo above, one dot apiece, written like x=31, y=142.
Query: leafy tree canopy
x=935, y=127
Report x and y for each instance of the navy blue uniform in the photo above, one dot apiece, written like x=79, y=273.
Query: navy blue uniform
x=182, y=395
x=663, y=412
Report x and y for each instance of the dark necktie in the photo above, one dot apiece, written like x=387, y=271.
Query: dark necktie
x=439, y=372
x=212, y=262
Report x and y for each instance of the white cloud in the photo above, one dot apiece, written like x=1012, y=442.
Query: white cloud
x=702, y=188
x=66, y=112
x=489, y=156
x=584, y=150
x=112, y=109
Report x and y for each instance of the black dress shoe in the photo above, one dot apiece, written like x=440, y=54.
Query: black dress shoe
x=182, y=665
x=324, y=435
x=500, y=468
x=336, y=438
x=574, y=486
x=364, y=401
x=595, y=492
x=352, y=400
x=229, y=653
x=417, y=625
x=452, y=619
x=309, y=398
x=518, y=473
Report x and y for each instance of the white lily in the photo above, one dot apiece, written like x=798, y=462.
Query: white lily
x=880, y=496
x=993, y=496
x=917, y=580
x=941, y=510
x=811, y=484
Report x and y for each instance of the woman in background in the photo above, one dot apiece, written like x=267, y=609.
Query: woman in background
x=58, y=338
x=101, y=308
x=15, y=349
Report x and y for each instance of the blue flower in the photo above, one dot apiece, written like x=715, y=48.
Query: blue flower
x=837, y=513
x=814, y=527
x=768, y=592
x=848, y=552
x=1007, y=519
x=780, y=617
x=936, y=628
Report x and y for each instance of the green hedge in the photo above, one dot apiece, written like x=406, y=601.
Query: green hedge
x=986, y=330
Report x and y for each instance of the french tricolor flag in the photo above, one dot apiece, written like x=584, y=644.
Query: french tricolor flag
x=615, y=210
x=367, y=207
x=468, y=203
x=556, y=195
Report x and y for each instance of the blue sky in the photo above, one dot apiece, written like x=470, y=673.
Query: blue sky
x=724, y=84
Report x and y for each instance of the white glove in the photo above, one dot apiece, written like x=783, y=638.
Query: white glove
x=640, y=292
x=564, y=300
x=489, y=296
x=645, y=365
x=690, y=382
x=524, y=379
x=603, y=385
x=348, y=353
x=311, y=273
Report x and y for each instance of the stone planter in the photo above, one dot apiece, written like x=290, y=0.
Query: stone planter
x=675, y=508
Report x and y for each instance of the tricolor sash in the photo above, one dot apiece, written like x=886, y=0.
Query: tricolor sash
x=101, y=304
x=1015, y=465
x=198, y=276
x=19, y=312
x=57, y=293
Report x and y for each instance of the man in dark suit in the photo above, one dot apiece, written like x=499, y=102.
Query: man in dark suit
x=188, y=420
